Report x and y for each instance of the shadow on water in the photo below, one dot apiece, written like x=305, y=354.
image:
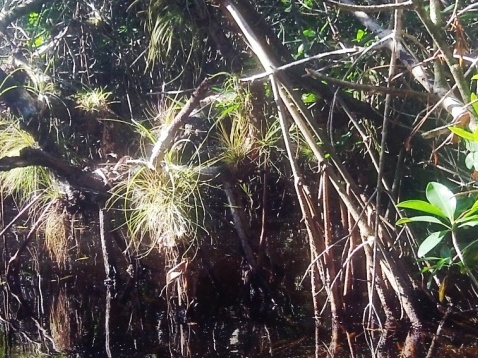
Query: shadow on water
x=75, y=313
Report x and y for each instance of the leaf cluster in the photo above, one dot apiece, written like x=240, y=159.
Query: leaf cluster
x=442, y=209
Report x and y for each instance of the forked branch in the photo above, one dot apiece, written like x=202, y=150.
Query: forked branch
x=168, y=134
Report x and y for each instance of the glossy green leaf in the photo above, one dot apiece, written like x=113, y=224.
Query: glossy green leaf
x=442, y=262
x=309, y=98
x=471, y=160
x=472, y=145
x=431, y=242
x=300, y=50
x=423, y=206
x=33, y=18
x=309, y=33
x=460, y=132
x=470, y=221
x=360, y=34
x=443, y=198
x=469, y=224
x=471, y=211
x=425, y=218
x=474, y=101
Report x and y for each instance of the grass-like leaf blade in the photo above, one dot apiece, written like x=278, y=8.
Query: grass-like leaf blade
x=462, y=133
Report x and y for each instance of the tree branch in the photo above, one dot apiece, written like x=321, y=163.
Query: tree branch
x=448, y=101
x=371, y=88
x=167, y=134
x=75, y=176
x=436, y=34
x=280, y=54
x=349, y=196
x=370, y=8
x=12, y=14
x=302, y=61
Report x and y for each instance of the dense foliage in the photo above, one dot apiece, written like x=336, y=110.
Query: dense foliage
x=175, y=124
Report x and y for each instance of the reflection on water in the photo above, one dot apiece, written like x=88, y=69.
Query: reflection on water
x=61, y=325
x=72, y=318
x=77, y=314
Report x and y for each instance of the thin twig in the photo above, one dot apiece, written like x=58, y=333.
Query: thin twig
x=370, y=8
x=371, y=88
x=355, y=49
x=19, y=215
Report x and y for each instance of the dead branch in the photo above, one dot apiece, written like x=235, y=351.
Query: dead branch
x=168, y=134
x=448, y=101
x=439, y=40
x=348, y=51
x=370, y=8
x=370, y=88
x=74, y=175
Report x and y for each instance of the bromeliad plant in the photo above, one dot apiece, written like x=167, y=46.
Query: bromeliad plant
x=450, y=216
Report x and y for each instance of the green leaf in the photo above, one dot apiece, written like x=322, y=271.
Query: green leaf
x=472, y=210
x=309, y=33
x=475, y=77
x=472, y=145
x=360, y=35
x=423, y=206
x=33, y=18
x=471, y=160
x=300, y=50
x=38, y=41
x=469, y=224
x=425, y=218
x=467, y=218
x=470, y=221
x=443, y=198
x=460, y=132
x=309, y=98
x=474, y=101
x=439, y=265
x=228, y=109
x=445, y=252
x=431, y=242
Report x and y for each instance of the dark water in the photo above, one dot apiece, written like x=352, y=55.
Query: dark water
x=78, y=315
x=72, y=312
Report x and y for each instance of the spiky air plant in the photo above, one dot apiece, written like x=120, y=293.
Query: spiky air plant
x=43, y=87
x=164, y=205
x=177, y=39
x=164, y=21
x=20, y=183
x=24, y=184
x=94, y=100
x=237, y=136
